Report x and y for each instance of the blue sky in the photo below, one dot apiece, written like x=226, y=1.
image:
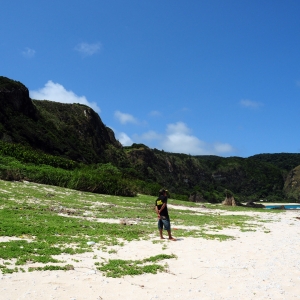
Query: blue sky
x=199, y=77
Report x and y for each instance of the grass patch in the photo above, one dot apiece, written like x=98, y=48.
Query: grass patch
x=118, y=268
x=51, y=268
x=6, y=270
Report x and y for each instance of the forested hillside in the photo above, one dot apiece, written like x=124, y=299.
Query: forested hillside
x=284, y=161
x=68, y=145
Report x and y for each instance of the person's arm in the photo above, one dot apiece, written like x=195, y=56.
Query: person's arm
x=162, y=208
x=156, y=209
x=159, y=210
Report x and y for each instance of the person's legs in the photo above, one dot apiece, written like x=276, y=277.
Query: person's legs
x=161, y=234
x=160, y=228
x=170, y=236
x=167, y=226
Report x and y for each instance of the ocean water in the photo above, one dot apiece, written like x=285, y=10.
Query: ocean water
x=287, y=206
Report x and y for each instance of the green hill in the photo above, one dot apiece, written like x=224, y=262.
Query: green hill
x=69, y=145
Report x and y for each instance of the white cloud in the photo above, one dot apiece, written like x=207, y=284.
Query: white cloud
x=178, y=139
x=28, y=53
x=222, y=148
x=88, y=49
x=124, y=118
x=250, y=104
x=152, y=136
x=178, y=128
x=155, y=113
x=56, y=92
x=124, y=139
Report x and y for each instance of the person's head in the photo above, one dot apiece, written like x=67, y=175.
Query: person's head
x=162, y=192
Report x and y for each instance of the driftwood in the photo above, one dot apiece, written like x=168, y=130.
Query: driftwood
x=229, y=201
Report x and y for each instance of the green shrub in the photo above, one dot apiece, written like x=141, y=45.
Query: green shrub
x=29, y=155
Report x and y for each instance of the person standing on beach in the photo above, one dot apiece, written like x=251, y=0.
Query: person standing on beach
x=162, y=214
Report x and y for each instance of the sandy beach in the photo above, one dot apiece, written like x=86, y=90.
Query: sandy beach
x=260, y=264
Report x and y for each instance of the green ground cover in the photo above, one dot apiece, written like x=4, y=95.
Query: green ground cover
x=39, y=221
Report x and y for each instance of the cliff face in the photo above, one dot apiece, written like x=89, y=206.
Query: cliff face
x=14, y=96
x=71, y=130
x=205, y=175
x=292, y=184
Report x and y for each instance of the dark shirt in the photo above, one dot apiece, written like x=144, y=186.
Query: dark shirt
x=159, y=203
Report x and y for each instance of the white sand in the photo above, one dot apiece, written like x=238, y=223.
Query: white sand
x=256, y=265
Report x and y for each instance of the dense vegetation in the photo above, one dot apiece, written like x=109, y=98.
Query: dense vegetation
x=209, y=176
x=9, y=84
x=284, y=161
x=129, y=174
x=101, y=178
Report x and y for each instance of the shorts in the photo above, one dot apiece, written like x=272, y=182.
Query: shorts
x=165, y=223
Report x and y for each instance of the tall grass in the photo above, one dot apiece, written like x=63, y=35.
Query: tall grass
x=28, y=155
x=83, y=179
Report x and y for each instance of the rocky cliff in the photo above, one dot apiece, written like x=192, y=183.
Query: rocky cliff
x=292, y=184
x=14, y=97
x=71, y=130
